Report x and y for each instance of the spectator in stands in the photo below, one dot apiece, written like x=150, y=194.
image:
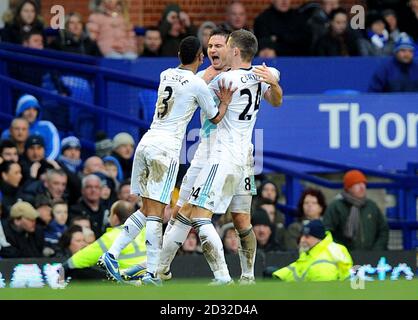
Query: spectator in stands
x=123, y=151
x=26, y=239
x=18, y=133
x=70, y=161
x=408, y=21
x=191, y=246
x=354, y=220
x=277, y=220
x=204, y=33
x=175, y=25
x=111, y=28
x=400, y=73
x=8, y=151
x=108, y=193
x=71, y=241
x=33, y=162
x=264, y=232
x=73, y=39
x=236, y=17
x=92, y=165
x=57, y=226
x=124, y=193
x=320, y=258
x=229, y=238
x=269, y=190
x=89, y=236
x=391, y=20
x=53, y=186
x=113, y=169
x=266, y=49
x=329, y=5
x=44, y=208
x=378, y=41
x=339, y=40
x=10, y=177
x=81, y=221
x=134, y=254
x=25, y=20
x=311, y=206
x=152, y=43
x=90, y=204
x=103, y=145
x=285, y=27
x=28, y=107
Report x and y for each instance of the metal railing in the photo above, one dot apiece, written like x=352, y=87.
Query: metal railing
x=403, y=185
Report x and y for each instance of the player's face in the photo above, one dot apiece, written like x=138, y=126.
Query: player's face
x=217, y=51
x=230, y=53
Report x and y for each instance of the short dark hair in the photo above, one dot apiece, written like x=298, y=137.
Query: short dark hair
x=334, y=12
x=65, y=240
x=153, y=29
x=189, y=49
x=314, y=193
x=6, y=144
x=27, y=36
x=78, y=218
x=220, y=32
x=6, y=165
x=246, y=42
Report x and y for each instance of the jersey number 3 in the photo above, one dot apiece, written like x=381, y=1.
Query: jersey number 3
x=244, y=115
x=165, y=104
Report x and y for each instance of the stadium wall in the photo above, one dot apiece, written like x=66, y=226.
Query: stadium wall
x=148, y=12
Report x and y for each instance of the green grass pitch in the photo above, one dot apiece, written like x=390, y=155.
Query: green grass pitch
x=198, y=290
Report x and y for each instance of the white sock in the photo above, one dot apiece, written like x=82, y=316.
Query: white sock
x=131, y=228
x=173, y=240
x=153, y=242
x=212, y=248
x=247, y=250
x=169, y=226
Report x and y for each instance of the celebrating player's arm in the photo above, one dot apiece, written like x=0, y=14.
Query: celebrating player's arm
x=274, y=95
x=206, y=102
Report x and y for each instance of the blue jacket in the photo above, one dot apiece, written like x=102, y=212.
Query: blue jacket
x=394, y=76
x=44, y=128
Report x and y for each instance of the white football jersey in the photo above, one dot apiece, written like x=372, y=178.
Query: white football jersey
x=234, y=131
x=179, y=94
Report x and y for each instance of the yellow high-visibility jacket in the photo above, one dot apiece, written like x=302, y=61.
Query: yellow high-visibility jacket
x=133, y=254
x=326, y=261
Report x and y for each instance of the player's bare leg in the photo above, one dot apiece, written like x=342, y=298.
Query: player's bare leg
x=247, y=246
x=211, y=243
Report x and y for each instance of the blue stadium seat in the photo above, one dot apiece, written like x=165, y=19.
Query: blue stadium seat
x=337, y=92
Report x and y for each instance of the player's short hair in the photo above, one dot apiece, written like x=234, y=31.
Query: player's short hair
x=189, y=49
x=122, y=209
x=246, y=42
x=220, y=32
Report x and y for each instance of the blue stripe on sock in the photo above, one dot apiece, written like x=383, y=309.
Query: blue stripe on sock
x=208, y=186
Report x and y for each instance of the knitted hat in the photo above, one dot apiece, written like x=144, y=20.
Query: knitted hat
x=34, y=140
x=404, y=42
x=25, y=102
x=260, y=217
x=121, y=139
x=352, y=177
x=70, y=142
x=23, y=209
x=314, y=228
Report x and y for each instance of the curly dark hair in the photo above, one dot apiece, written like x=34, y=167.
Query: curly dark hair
x=314, y=193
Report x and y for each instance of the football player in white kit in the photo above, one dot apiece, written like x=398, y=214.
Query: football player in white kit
x=156, y=158
x=224, y=178
x=172, y=241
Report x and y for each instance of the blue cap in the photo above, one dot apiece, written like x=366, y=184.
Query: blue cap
x=25, y=102
x=404, y=42
x=314, y=228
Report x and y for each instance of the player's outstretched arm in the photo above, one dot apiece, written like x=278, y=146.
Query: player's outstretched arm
x=225, y=96
x=274, y=95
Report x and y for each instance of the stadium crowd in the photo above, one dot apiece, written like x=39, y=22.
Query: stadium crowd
x=56, y=199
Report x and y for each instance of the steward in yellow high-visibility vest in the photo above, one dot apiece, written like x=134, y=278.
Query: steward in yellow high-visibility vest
x=321, y=259
x=132, y=255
